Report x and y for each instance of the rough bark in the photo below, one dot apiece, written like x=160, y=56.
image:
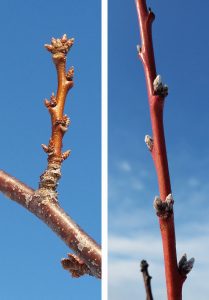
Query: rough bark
x=48, y=210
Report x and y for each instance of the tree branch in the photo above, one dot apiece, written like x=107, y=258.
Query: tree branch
x=44, y=201
x=157, y=92
x=49, y=211
x=60, y=122
x=147, y=279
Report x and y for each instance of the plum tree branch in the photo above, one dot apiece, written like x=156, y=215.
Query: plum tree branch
x=157, y=92
x=54, y=216
x=43, y=202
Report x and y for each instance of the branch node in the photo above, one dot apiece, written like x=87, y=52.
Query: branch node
x=184, y=265
x=52, y=102
x=49, y=179
x=151, y=15
x=139, y=49
x=70, y=74
x=149, y=142
x=63, y=123
x=164, y=209
x=65, y=155
x=160, y=89
x=75, y=266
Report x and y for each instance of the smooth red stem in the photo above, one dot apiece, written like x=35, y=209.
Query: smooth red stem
x=159, y=148
x=146, y=18
x=174, y=280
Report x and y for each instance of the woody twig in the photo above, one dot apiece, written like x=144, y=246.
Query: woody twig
x=157, y=91
x=147, y=279
x=43, y=202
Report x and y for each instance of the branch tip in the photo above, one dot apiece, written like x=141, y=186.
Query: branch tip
x=60, y=46
x=147, y=279
x=144, y=265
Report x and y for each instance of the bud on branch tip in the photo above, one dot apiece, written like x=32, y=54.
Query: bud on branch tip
x=62, y=45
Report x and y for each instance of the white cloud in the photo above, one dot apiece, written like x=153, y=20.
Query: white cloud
x=193, y=182
x=128, y=219
x=136, y=184
x=134, y=246
x=124, y=166
x=125, y=279
x=134, y=235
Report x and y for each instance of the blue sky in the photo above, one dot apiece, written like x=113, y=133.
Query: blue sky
x=30, y=252
x=181, y=42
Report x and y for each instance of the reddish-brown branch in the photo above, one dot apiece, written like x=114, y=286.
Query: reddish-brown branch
x=44, y=202
x=54, y=216
x=60, y=122
x=59, y=49
x=157, y=147
x=146, y=53
x=147, y=279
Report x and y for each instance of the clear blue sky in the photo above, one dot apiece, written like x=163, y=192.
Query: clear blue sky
x=181, y=42
x=30, y=253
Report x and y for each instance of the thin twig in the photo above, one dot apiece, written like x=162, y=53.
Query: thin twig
x=157, y=92
x=147, y=279
x=60, y=122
